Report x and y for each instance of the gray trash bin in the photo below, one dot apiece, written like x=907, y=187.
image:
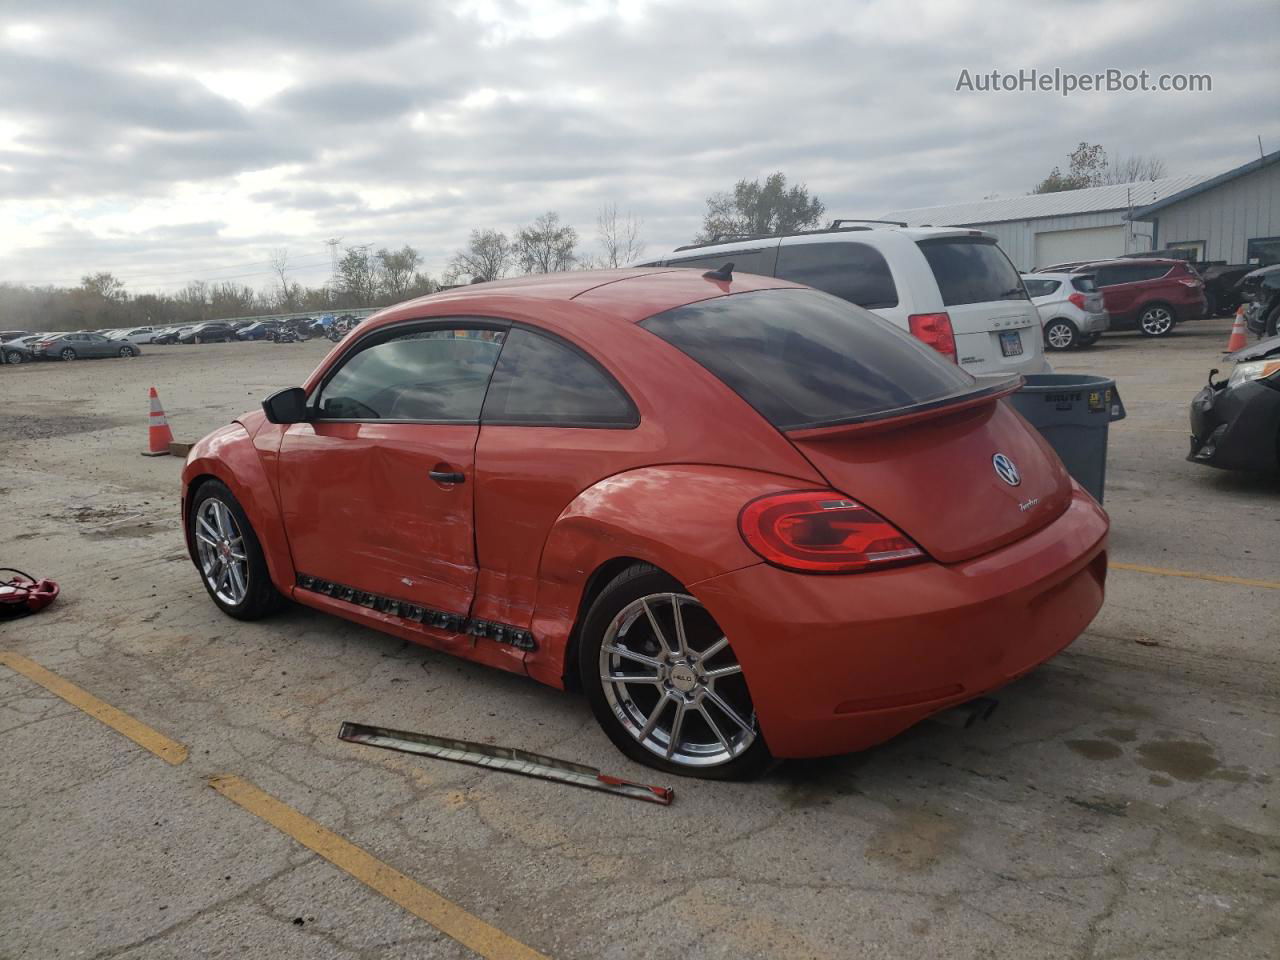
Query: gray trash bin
x=1073, y=411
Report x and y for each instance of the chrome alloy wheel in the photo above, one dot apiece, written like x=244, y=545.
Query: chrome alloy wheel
x=1059, y=335
x=1156, y=321
x=672, y=680
x=220, y=545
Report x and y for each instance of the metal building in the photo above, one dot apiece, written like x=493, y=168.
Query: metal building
x=1044, y=228
x=1233, y=217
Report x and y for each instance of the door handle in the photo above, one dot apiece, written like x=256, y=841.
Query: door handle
x=447, y=476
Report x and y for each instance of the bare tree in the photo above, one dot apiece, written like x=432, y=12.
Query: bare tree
x=1135, y=168
x=546, y=245
x=396, y=270
x=487, y=256
x=618, y=236
x=280, y=264
x=752, y=208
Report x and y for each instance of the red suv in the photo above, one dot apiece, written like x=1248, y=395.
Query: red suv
x=1152, y=295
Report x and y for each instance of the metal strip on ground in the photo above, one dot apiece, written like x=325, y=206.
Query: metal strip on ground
x=1193, y=575
x=506, y=759
x=167, y=749
x=449, y=918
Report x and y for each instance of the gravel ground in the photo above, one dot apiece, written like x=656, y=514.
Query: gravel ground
x=1122, y=802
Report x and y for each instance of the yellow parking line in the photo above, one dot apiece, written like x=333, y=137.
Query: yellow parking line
x=163, y=747
x=469, y=930
x=1191, y=574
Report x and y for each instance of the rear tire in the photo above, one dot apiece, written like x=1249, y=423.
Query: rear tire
x=1156, y=320
x=68, y=354
x=1060, y=334
x=1089, y=339
x=127, y=352
x=252, y=597
x=670, y=692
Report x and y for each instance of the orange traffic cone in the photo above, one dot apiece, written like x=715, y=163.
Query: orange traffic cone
x=1239, y=335
x=159, y=436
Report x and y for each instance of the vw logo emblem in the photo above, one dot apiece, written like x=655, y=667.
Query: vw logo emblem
x=1005, y=470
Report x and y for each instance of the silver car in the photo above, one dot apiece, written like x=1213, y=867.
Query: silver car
x=1070, y=306
x=76, y=346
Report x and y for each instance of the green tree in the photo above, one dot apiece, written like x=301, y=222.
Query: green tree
x=1087, y=167
x=768, y=208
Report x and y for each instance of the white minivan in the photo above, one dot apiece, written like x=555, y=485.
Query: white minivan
x=951, y=287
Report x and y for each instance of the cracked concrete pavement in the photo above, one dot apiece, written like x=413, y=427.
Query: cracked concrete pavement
x=1122, y=802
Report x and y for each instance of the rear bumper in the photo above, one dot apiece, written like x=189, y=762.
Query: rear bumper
x=837, y=664
x=1095, y=323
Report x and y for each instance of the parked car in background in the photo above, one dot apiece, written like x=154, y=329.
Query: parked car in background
x=1070, y=307
x=1261, y=292
x=1235, y=423
x=213, y=331
x=168, y=335
x=18, y=349
x=746, y=518
x=953, y=289
x=80, y=346
x=6, y=335
x=134, y=334
x=260, y=330
x=1150, y=295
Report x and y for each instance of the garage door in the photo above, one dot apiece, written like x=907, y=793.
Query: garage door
x=1092, y=243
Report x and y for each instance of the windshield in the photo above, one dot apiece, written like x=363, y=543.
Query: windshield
x=972, y=270
x=806, y=359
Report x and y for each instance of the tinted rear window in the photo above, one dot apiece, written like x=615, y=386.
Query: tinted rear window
x=806, y=359
x=850, y=271
x=1084, y=284
x=972, y=271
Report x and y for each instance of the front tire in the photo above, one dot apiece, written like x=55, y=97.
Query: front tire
x=1060, y=334
x=664, y=682
x=13, y=356
x=1156, y=320
x=228, y=554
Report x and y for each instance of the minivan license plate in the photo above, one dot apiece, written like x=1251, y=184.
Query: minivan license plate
x=1011, y=343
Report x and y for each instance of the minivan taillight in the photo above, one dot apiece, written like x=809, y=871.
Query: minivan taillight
x=822, y=531
x=935, y=330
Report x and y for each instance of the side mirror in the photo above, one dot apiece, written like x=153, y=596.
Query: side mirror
x=286, y=406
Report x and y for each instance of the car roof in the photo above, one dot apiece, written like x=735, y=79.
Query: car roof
x=851, y=234
x=1122, y=261
x=1056, y=275
x=629, y=294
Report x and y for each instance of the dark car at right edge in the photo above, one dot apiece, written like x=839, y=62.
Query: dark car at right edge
x=1235, y=423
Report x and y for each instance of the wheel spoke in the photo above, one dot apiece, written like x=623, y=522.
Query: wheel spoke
x=673, y=741
x=652, y=722
x=209, y=529
x=657, y=630
x=206, y=540
x=715, y=728
x=646, y=678
x=681, y=640
x=623, y=652
x=712, y=650
x=728, y=711
x=238, y=587
x=723, y=672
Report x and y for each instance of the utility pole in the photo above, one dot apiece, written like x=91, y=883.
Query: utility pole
x=333, y=262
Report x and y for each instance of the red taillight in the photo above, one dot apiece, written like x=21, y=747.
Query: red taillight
x=1193, y=284
x=1077, y=299
x=935, y=330
x=821, y=531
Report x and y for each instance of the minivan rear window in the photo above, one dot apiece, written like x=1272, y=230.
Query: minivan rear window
x=759, y=261
x=972, y=270
x=807, y=359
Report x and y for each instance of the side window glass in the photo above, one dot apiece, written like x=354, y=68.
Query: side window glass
x=850, y=271
x=543, y=381
x=437, y=375
x=759, y=261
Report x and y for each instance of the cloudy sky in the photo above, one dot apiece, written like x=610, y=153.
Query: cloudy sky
x=180, y=140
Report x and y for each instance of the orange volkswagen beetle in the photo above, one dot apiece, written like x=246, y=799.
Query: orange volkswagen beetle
x=747, y=519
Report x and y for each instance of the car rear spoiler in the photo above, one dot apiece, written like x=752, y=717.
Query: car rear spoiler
x=902, y=416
